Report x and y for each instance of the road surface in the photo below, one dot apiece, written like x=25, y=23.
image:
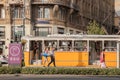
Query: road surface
x=56, y=77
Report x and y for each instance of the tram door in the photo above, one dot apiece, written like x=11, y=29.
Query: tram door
x=35, y=51
x=95, y=49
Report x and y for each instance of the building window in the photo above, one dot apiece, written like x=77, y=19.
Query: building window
x=43, y=12
x=17, y=33
x=60, y=30
x=17, y=12
x=47, y=13
x=71, y=18
x=62, y=14
x=43, y=31
x=2, y=12
x=40, y=12
x=71, y=31
x=2, y=32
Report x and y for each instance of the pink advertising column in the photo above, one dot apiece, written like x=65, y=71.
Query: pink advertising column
x=15, y=54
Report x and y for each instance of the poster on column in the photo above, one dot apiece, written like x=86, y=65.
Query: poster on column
x=15, y=54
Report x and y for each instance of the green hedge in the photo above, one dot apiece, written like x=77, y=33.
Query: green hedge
x=60, y=70
x=10, y=70
x=76, y=71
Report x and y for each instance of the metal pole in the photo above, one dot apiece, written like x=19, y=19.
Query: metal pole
x=118, y=55
x=13, y=23
x=24, y=18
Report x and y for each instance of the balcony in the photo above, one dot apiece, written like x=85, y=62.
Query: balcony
x=74, y=6
x=59, y=2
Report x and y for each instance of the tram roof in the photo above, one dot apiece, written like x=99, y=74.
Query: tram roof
x=79, y=35
x=74, y=37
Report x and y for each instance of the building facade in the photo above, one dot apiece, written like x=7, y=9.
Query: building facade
x=117, y=23
x=43, y=17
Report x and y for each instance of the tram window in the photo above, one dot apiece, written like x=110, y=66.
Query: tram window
x=65, y=45
x=1, y=51
x=110, y=45
x=80, y=46
x=51, y=43
x=34, y=45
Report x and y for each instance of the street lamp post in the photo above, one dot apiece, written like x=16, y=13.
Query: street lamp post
x=13, y=22
x=24, y=18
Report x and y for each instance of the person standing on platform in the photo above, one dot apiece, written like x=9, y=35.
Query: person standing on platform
x=45, y=54
x=102, y=59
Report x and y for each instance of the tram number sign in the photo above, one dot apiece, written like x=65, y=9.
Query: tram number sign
x=15, y=54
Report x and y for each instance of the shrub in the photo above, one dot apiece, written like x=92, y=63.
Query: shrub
x=75, y=71
x=10, y=70
x=59, y=70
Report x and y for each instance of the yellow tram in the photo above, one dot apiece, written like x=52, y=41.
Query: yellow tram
x=73, y=50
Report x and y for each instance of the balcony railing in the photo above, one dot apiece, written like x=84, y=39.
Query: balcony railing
x=59, y=2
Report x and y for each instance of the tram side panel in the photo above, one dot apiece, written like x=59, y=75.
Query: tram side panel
x=27, y=58
x=71, y=58
x=111, y=59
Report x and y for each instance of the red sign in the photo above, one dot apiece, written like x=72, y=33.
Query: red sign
x=15, y=53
